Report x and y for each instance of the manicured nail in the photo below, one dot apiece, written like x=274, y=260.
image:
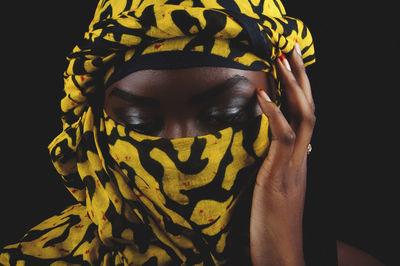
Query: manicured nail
x=297, y=48
x=263, y=94
x=285, y=62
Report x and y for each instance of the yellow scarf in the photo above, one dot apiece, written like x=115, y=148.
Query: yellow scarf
x=145, y=200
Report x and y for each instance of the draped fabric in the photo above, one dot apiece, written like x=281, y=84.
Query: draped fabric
x=146, y=200
x=149, y=199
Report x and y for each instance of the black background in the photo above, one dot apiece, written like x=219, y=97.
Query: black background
x=353, y=174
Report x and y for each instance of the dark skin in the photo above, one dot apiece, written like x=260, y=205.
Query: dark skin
x=196, y=101
x=179, y=110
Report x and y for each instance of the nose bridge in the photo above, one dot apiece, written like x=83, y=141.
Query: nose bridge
x=179, y=127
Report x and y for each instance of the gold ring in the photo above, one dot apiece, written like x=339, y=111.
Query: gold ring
x=309, y=149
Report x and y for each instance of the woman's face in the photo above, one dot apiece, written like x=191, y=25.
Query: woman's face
x=184, y=102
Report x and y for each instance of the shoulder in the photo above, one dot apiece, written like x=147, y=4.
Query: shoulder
x=349, y=255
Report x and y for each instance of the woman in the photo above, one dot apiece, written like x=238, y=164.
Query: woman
x=174, y=144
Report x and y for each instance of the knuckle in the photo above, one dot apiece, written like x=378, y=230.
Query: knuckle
x=288, y=137
x=312, y=107
x=278, y=112
x=309, y=119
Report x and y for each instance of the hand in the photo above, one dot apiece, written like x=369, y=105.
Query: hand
x=278, y=198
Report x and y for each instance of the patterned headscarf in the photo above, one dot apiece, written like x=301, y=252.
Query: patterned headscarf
x=249, y=34
x=149, y=200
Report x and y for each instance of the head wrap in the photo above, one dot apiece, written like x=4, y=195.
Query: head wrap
x=248, y=34
x=148, y=200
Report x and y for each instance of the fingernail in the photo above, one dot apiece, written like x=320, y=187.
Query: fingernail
x=297, y=48
x=263, y=94
x=285, y=62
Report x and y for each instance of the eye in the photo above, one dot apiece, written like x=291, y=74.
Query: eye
x=142, y=124
x=139, y=120
x=226, y=116
x=146, y=128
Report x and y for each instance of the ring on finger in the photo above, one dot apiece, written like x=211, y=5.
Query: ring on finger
x=309, y=149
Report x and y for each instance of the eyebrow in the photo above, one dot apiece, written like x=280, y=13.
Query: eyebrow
x=133, y=98
x=195, y=99
x=214, y=91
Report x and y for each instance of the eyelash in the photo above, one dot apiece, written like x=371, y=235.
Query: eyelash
x=207, y=118
x=146, y=128
x=222, y=118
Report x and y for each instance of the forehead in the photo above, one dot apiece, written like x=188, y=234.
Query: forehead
x=187, y=81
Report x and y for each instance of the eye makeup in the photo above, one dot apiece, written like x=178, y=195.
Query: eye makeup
x=225, y=104
x=145, y=120
x=234, y=112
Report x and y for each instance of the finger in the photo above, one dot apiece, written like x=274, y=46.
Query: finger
x=299, y=71
x=300, y=111
x=298, y=106
x=282, y=140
